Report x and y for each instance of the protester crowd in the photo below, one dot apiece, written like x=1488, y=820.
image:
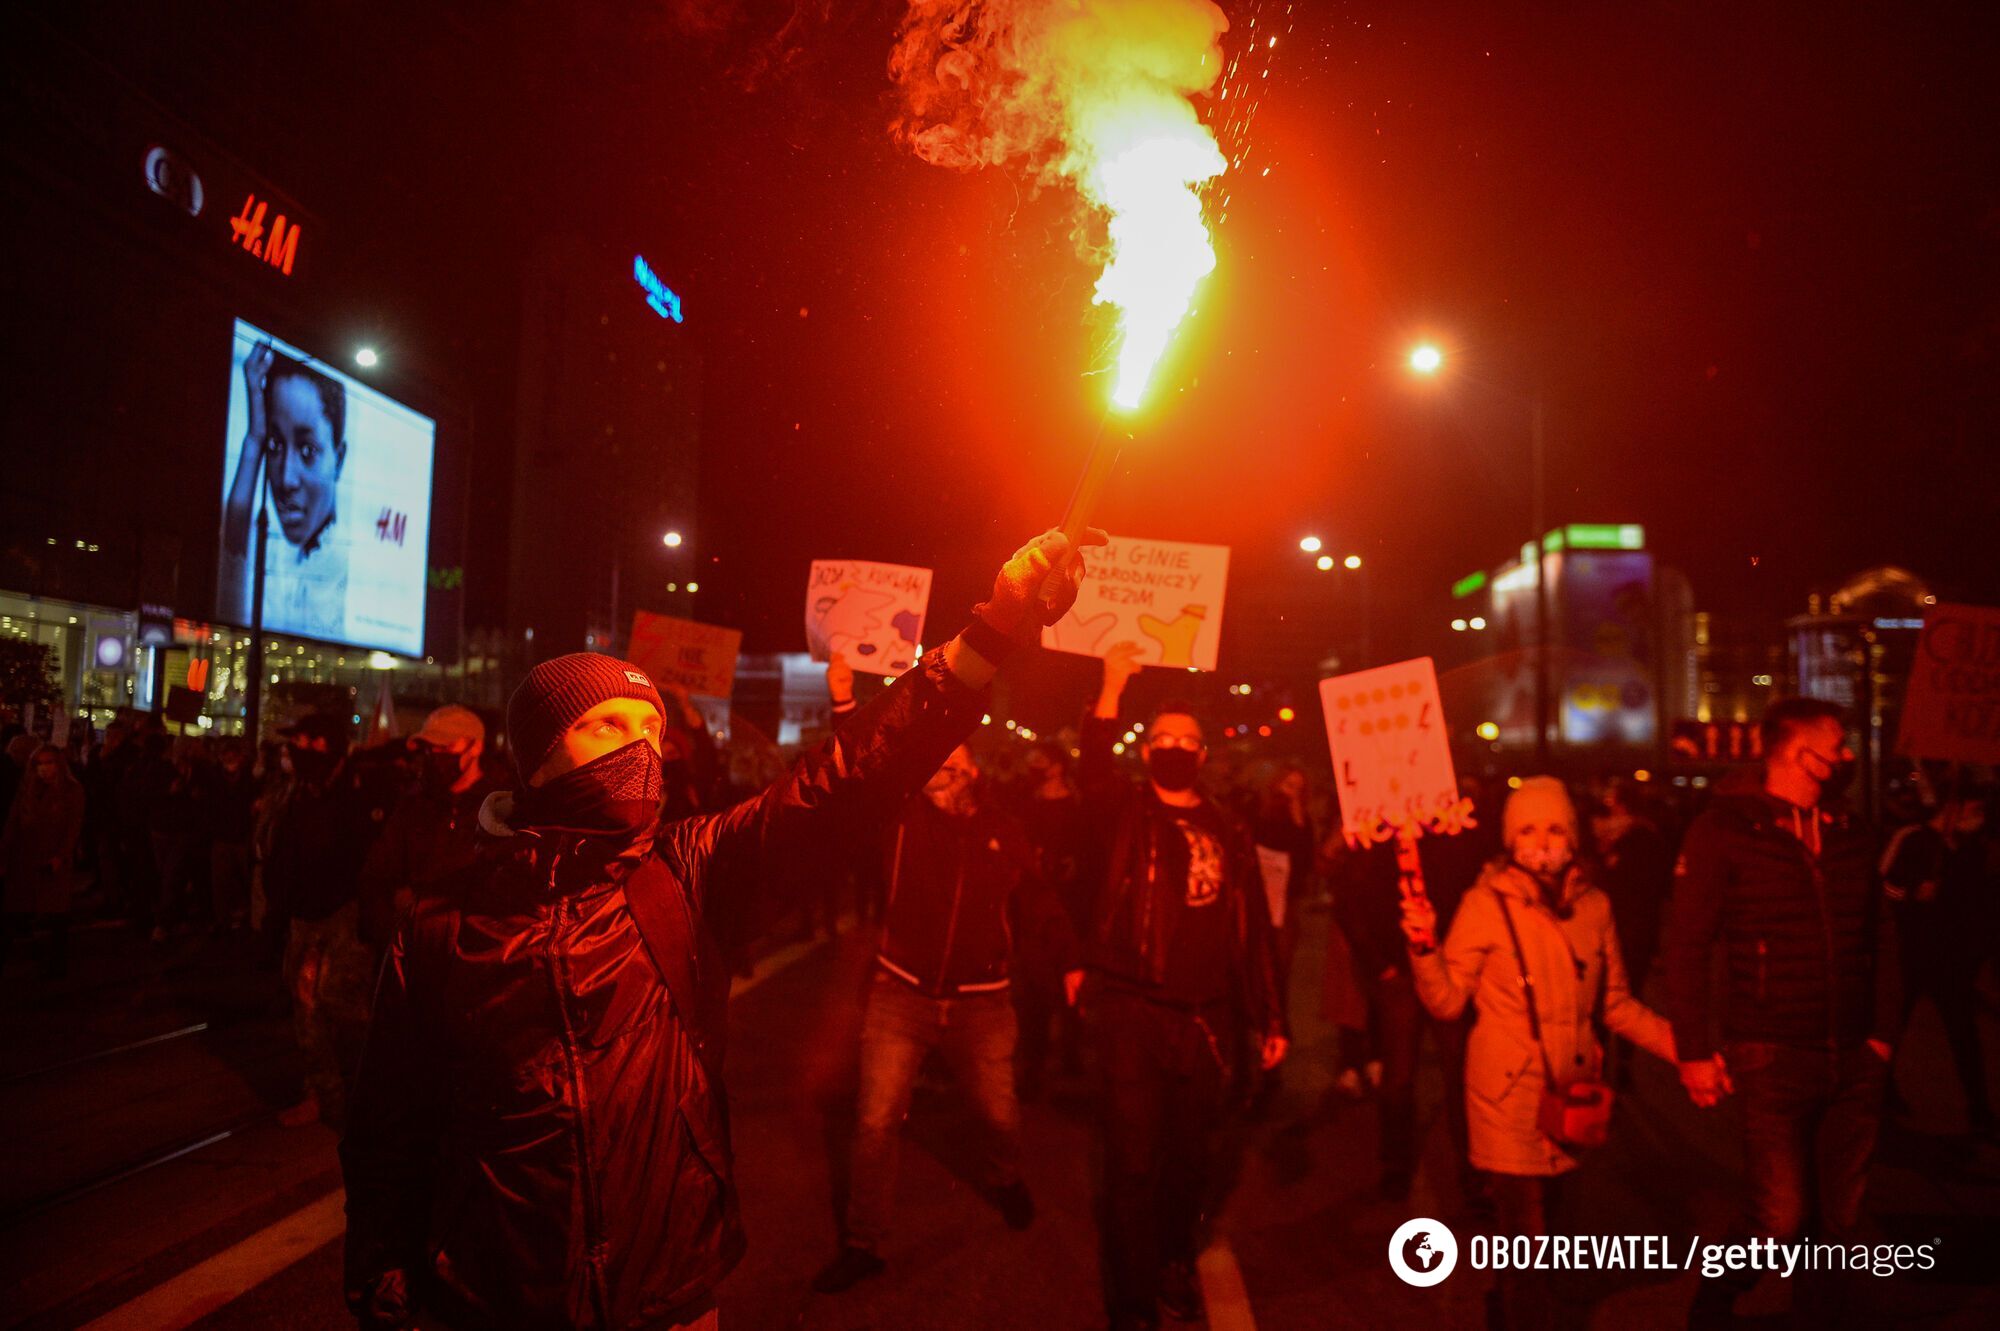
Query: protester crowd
x=1040, y=911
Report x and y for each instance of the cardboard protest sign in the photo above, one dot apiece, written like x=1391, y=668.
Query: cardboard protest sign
x=872, y=614
x=1952, y=711
x=701, y=658
x=1165, y=596
x=1391, y=757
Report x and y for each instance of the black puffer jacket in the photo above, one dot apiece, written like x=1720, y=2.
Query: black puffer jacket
x=539, y=1136
x=1809, y=954
x=1140, y=859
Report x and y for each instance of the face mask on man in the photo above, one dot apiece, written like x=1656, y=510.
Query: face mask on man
x=1173, y=769
x=1833, y=774
x=617, y=795
x=441, y=769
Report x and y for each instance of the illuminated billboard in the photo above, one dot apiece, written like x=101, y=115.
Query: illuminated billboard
x=345, y=476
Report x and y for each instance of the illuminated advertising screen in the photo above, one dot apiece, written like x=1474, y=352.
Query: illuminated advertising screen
x=345, y=476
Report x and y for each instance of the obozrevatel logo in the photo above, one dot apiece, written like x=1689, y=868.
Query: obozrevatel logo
x=1422, y=1252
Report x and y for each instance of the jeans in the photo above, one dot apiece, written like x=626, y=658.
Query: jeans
x=901, y=1026
x=1809, y=1121
x=1165, y=1073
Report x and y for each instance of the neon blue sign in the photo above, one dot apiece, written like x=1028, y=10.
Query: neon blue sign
x=659, y=295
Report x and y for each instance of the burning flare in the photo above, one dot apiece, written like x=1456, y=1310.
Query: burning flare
x=1095, y=92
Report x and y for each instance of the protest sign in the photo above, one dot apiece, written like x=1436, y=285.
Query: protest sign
x=701, y=658
x=1952, y=711
x=1163, y=596
x=872, y=614
x=1391, y=756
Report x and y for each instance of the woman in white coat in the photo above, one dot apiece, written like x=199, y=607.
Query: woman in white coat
x=1539, y=895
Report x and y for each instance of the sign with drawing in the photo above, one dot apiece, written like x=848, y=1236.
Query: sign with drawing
x=872, y=614
x=1163, y=596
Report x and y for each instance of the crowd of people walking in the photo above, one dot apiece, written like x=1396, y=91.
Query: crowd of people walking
x=1138, y=921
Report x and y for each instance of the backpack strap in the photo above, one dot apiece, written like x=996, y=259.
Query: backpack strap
x=659, y=906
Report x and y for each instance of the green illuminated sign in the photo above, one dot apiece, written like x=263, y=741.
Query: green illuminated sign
x=1468, y=584
x=1597, y=536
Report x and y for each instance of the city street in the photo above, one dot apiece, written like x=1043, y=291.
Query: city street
x=103, y=1220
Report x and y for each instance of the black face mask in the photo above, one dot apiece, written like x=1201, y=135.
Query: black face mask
x=441, y=771
x=617, y=795
x=1839, y=772
x=312, y=764
x=1173, y=769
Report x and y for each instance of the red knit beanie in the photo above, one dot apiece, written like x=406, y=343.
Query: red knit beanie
x=557, y=692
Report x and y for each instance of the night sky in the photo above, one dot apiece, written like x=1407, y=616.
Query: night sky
x=1745, y=254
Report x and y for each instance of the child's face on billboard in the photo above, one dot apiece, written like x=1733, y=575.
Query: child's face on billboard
x=301, y=463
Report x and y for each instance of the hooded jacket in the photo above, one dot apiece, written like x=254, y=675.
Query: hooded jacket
x=539, y=1132
x=1140, y=860
x=1807, y=938
x=1575, y=966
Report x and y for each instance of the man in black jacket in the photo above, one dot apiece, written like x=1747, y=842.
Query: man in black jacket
x=540, y=1135
x=431, y=832
x=1182, y=969
x=960, y=871
x=1787, y=887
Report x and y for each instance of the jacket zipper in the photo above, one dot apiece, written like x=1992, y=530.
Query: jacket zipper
x=559, y=981
x=1826, y=932
x=951, y=925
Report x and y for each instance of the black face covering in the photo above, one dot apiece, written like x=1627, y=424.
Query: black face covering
x=441, y=770
x=311, y=765
x=617, y=795
x=1839, y=773
x=1173, y=769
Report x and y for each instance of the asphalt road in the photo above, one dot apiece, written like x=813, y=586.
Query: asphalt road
x=242, y=1231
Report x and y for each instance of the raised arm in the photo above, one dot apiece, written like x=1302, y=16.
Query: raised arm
x=887, y=749
x=1447, y=978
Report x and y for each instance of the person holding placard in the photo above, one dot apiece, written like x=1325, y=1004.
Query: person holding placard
x=1534, y=949
x=1182, y=970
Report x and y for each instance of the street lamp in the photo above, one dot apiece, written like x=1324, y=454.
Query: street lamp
x=1323, y=563
x=366, y=358
x=1425, y=359
x=1311, y=545
x=1352, y=561
x=672, y=540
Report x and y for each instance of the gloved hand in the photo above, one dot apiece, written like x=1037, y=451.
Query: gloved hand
x=1038, y=585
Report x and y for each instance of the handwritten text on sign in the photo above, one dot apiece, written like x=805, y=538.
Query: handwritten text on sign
x=872, y=614
x=1391, y=758
x=1163, y=596
x=701, y=658
x=1952, y=712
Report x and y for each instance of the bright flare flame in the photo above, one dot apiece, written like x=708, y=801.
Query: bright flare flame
x=1426, y=359
x=1159, y=243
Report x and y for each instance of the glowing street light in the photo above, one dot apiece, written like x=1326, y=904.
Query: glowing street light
x=1426, y=359
x=1311, y=545
x=1352, y=561
x=1458, y=626
x=672, y=540
x=366, y=358
x=1323, y=563
x=1488, y=730
x=1477, y=622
